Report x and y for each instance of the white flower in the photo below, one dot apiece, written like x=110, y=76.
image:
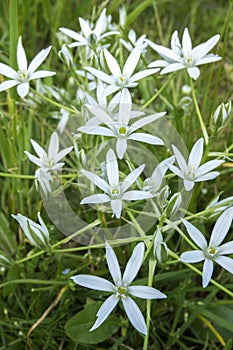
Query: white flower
x=25, y=73
x=191, y=171
x=184, y=56
x=133, y=41
x=48, y=161
x=154, y=182
x=120, y=129
x=90, y=37
x=121, y=79
x=212, y=252
x=121, y=289
x=219, y=206
x=43, y=178
x=37, y=234
x=115, y=192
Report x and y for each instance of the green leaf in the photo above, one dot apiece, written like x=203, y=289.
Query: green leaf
x=78, y=327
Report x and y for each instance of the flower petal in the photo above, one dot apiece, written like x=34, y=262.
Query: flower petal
x=23, y=89
x=226, y=248
x=208, y=268
x=196, y=154
x=173, y=67
x=195, y=234
x=116, y=205
x=202, y=49
x=167, y=54
x=143, y=74
x=100, y=114
x=8, y=71
x=95, y=179
x=33, y=159
x=146, y=138
x=8, y=84
x=146, y=120
x=62, y=153
x=86, y=30
x=131, y=178
x=209, y=176
x=132, y=62
x=74, y=35
x=53, y=145
x=112, y=64
x=221, y=227
x=193, y=256
x=93, y=282
x=180, y=159
x=21, y=56
x=125, y=106
x=186, y=43
x=113, y=264
x=134, y=263
x=136, y=195
x=96, y=199
x=134, y=314
x=41, y=74
x=208, y=166
x=101, y=75
x=121, y=147
x=225, y=262
x=145, y=292
x=95, y=130
x=38, y=59
x=105, y=310
x=188, y=185
x=193, y=72
x=101, y=23
x=37, y=148
x=112, y=169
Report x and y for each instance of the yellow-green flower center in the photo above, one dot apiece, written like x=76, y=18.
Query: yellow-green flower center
x=212, y=250
x=115, y=192
x=122, y=290
x=122, y=130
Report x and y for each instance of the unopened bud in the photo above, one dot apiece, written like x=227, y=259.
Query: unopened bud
x=221, y=114
x=173, y=204
x=66, y=56
x=160, y=248
x=36, y=233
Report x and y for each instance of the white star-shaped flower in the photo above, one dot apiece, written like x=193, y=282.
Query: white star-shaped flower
x=48, y=161
x=115, y=192
x=121, y=79
x=191, y=171
x=184, y=56
x=90, y=36
x=25, y=73
x=121, y=129
x=121, y=289
x=212, y=252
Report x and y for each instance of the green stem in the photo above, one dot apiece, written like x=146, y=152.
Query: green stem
x=152, y=265
x=63, y=241
x=203, y=128
x=74, y=111
x=219, y=286
x=13, y=42
x=156, y=94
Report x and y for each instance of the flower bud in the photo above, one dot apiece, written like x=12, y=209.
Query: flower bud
x=173, y=204
x=36, y=233
x=160, y=248
x=65, y=56
x=221, y=115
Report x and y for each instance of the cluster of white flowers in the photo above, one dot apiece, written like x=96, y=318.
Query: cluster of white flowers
x=108, y=107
